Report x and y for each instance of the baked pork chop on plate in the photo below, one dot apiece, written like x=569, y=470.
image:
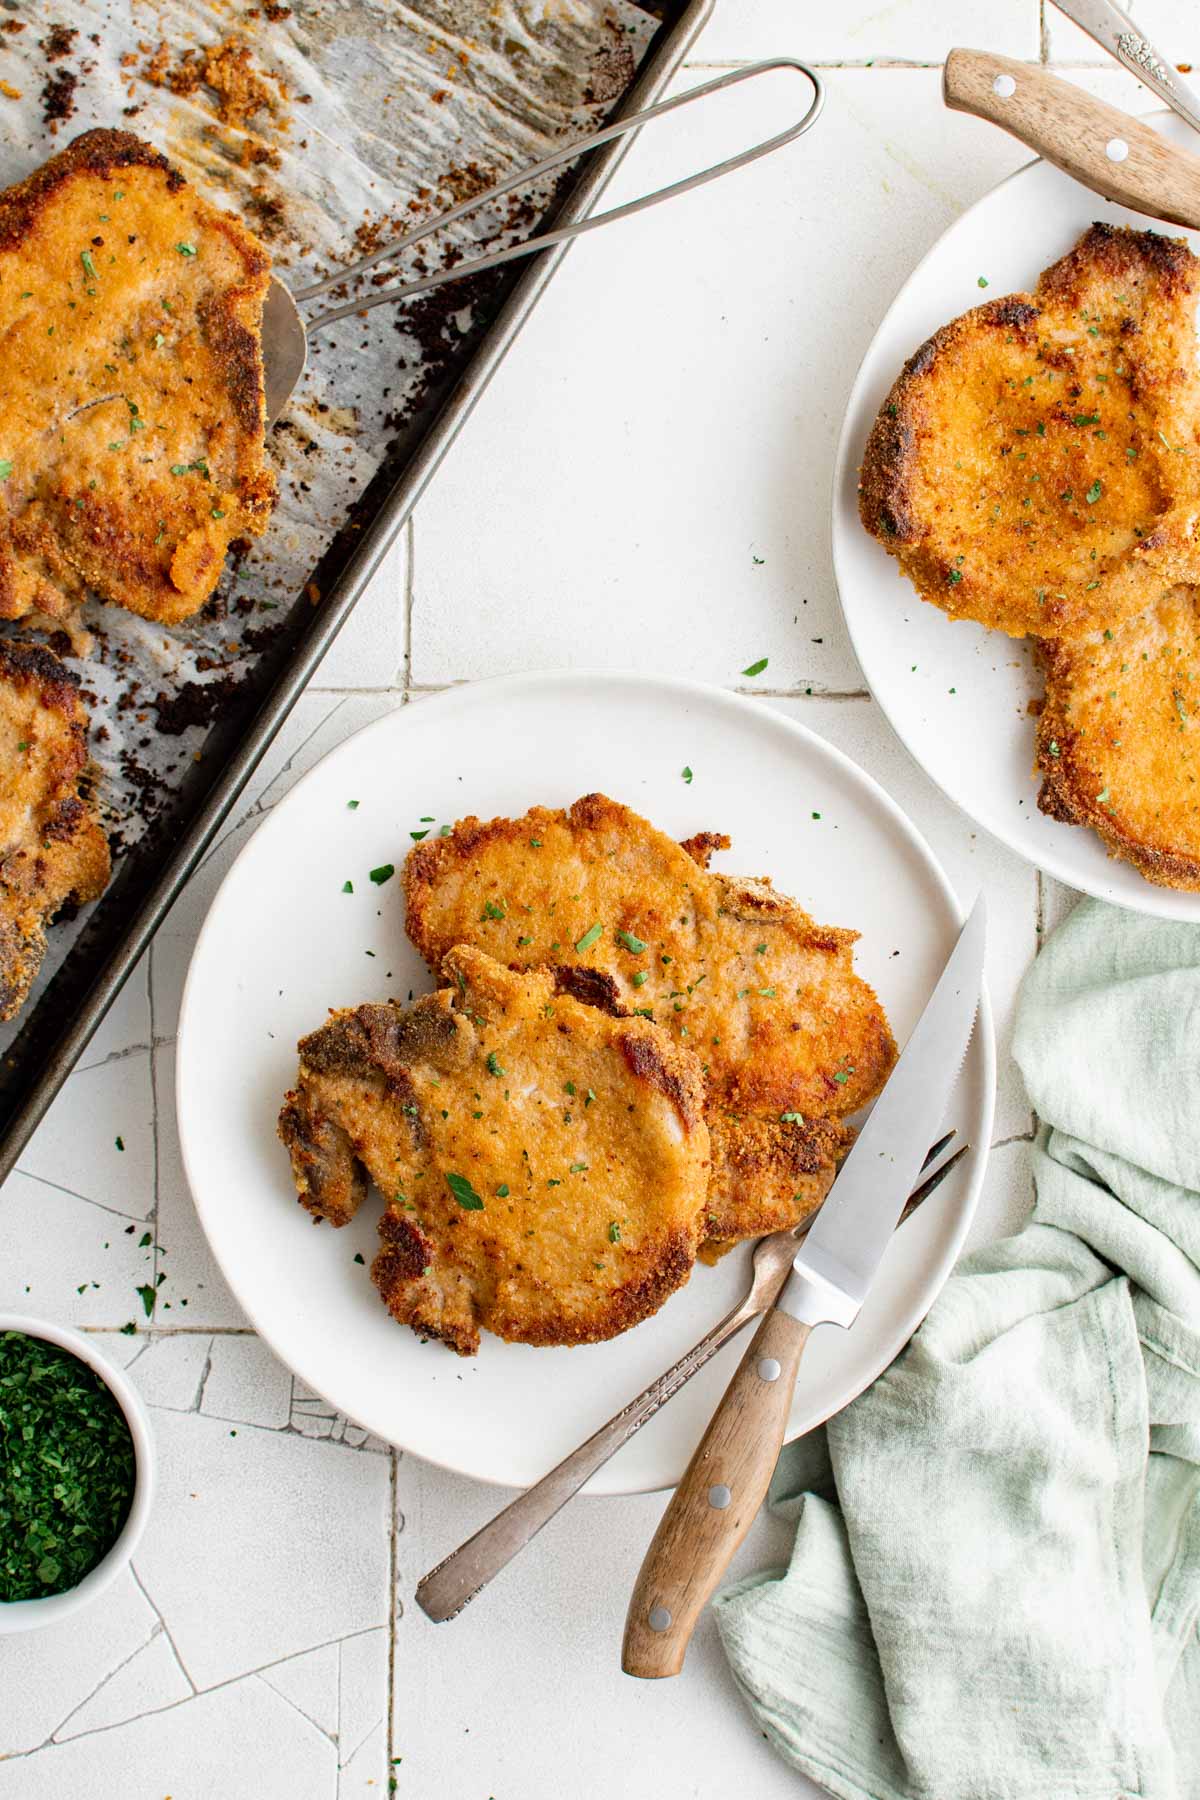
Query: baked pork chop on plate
x=545, y=1166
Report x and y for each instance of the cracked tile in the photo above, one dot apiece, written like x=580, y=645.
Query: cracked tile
x=241, y=1740
x=45, y=1675
x=195, y=1292
x=263, y=1544
x=150, y=1680
x=68, y=1258
x=127, y=1021
x=170, y=1371
x=78, y=1144
x=314, y=1417
x=310, y=1683
x=247, y=1383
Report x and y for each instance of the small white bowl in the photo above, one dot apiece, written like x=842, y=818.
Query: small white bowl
x=28, y=1615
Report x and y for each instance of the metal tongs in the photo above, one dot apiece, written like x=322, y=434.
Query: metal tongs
x=286, y=332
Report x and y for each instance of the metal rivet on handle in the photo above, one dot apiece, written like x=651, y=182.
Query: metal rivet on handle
x=769, y=1369
x=719, y=1496
x=1005, y=86
x=660, y=1619
x=1116, y=149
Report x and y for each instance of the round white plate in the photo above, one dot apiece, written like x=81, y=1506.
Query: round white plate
x=282, y=943
x=956, y=694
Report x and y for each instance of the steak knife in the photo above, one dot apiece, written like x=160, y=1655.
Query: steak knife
x=727, y=1479
x=1109, y=151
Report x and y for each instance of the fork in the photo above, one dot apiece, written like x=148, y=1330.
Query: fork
x=446, y=1589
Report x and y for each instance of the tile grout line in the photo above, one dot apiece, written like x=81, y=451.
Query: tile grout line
x=410, y=545
x=393, y=1603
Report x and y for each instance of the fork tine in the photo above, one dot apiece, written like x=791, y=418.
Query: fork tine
x=934, y=1181
x=935, y=1150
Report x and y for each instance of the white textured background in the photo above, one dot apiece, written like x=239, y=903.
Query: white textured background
x=669, y=417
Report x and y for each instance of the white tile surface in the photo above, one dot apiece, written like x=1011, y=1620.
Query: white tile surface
x=669, y=417
x=867, y=30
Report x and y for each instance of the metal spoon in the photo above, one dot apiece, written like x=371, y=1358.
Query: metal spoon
x=285, y=332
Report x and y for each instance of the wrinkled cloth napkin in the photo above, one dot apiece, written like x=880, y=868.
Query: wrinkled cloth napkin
x=995, y=1588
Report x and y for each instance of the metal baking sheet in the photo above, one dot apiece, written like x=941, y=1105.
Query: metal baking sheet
x=366, y=116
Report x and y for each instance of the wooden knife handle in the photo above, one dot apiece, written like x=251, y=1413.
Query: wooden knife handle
x=1109, y=151
x=715, y=1504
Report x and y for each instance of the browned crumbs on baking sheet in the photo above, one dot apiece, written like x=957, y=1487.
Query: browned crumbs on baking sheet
x=242, y=91
x=58, y=42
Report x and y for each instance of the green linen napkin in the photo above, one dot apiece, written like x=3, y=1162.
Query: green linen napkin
x=995, y=1588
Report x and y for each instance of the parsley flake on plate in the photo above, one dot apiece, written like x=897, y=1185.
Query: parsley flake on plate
x=756, y=668
x=383, y=873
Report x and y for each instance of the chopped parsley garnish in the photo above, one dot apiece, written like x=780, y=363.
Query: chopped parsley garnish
x=687, y=774
x=589, y=1096
x=1102, y=796
x=119, y=1142
x=591, y=936
x=1053, y=747
x=614, y=1232
x=383, y=873
x=1093, y=493
x=792, y=1118
x=630, y=942
x=982, y=281
x=641, y=978
x=347, y=887
x=492, y=911
x=502, y=1191
x=358, y=1256
x=578, y=1169
x=464, y=1193
x=186, y=249
x=535, y=843
x=416, y=836
x=6, y=468
x=522, y=941
x=494, y=1066
x=147, y=1293
x=353, y=805
x=756, y=668
x=954, y=576
x=1086, y=419
x=68, y=1472
x=841, y=1077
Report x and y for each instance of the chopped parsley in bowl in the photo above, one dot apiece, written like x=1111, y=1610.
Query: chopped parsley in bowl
x=75, y=1472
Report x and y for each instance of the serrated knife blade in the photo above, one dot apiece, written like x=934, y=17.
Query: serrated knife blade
x=836, y=1263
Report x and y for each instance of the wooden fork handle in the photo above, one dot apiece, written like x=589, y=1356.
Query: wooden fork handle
x=714, y=1505
x=1109, y=151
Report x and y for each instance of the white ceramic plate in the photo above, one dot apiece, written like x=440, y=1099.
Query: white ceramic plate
x=956, y=694
x=282, y=943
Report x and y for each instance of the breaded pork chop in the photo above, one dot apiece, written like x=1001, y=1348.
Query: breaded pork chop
x=767, y=1175
x=52, y=848
x=627, y=918
x=1036, y=461
x=1118, y=744
x=545, y=1165
x=132, y=439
